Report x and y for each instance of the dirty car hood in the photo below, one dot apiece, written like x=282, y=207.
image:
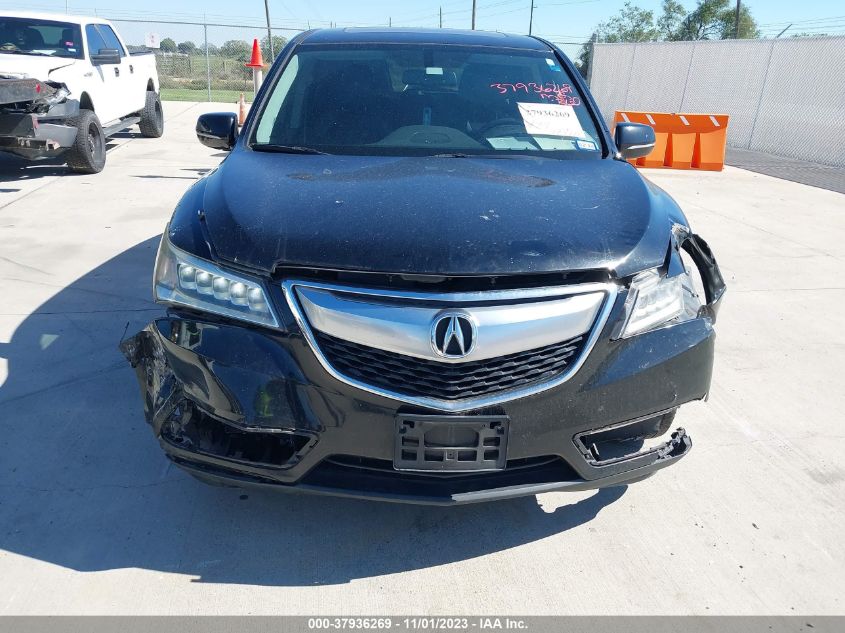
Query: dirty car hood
x=434, y=215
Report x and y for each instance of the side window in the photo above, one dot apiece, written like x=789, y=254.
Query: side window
x=95, y=40
x=110, y=38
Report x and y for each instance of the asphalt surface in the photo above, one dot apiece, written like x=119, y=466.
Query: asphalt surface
x=813, y=174
x=93, y=519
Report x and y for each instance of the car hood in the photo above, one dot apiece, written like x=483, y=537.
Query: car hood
x=33, y=66
x=435, y=215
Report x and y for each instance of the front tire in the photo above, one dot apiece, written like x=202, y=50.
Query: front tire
x=152, y=117
x=87, y=155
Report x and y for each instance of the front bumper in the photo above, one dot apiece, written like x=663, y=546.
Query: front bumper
x=34, y=136
x=244, y=405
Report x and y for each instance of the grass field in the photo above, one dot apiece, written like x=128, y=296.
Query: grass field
x=217, y=95
x=185, y=78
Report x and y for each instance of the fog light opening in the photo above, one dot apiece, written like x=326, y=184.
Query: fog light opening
x=625, y=440
x=195, y=431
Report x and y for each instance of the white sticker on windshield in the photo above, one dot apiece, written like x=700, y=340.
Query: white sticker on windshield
x=433, y=70
x=550, y=119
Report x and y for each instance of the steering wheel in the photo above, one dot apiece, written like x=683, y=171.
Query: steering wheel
x=508, y=121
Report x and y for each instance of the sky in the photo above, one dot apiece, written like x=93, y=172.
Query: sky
x=562, y=21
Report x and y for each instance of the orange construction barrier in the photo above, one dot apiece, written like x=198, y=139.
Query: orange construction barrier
x=683, y=141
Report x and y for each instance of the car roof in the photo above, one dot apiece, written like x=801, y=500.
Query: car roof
x=53, y=17
x=423, y=36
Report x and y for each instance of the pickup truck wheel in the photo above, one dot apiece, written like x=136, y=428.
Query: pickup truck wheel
x=88, y=153
x=152, y=117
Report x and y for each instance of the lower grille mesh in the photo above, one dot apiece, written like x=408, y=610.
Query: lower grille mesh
x=447, y=381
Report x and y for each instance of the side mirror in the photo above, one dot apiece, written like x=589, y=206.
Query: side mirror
x=634, y=140
x=218, y=130
x=105, y=56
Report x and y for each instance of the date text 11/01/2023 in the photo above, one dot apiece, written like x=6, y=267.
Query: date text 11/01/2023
x=486, y=623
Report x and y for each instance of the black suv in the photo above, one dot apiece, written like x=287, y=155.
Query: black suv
x=426, y=273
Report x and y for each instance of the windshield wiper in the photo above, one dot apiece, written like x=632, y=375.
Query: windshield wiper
x=285, y=149
x=499, y=154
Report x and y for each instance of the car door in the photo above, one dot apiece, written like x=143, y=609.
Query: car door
x=106, y=85
x=132, y=97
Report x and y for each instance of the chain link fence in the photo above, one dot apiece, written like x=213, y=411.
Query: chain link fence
x=785, y=97
x=203, y=61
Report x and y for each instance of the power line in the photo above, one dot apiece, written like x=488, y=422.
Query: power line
x=834, y=17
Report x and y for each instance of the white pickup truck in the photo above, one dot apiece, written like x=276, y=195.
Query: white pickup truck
x=67, y=83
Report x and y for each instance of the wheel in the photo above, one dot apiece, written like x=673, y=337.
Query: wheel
x=88, y=153
x=152, y=117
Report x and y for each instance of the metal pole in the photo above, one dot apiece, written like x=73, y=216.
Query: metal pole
x=736, y=20
x=783, y=31
x=473, y=15
x=531, y=18
x=207, y=60
x=269, y=31
x=441, y=17
x=593, y=40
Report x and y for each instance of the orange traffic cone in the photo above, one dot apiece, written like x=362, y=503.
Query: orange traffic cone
x=241, y=110
x=256, y=61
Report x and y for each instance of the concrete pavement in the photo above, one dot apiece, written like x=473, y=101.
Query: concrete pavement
x=93, y=519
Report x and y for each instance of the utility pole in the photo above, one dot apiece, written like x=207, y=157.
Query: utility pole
x=389, y=22
x=207, y=60
x=531, y=18
x=473, y=15
x=269, y=31
x=736, y=20
x=441, y=17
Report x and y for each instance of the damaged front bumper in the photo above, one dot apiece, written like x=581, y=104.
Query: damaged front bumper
x=250, y=406
x=37, y=120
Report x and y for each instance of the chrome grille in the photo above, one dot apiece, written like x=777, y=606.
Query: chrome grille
x=418, y=377
x=385, y=341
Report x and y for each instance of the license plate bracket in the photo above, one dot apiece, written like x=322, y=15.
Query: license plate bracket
x=453, y=443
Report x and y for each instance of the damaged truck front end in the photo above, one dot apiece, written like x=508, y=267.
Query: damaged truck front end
x=37, y=118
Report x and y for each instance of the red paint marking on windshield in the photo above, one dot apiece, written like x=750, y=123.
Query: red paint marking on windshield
x=550, y=91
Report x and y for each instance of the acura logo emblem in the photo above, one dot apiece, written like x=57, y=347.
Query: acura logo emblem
x=453, y=335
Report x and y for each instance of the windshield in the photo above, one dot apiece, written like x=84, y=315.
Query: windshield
x=426, y=99
x=27, y=36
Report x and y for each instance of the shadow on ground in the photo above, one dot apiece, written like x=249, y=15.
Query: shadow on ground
x=84, y=485
x=14, y=168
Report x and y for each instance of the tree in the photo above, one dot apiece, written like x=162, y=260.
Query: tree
x=715, y=20
x=278, y=45
x=236, y=49
x=710, y=19
x=187, y=48
x=631, y=24
x=670, y=23
x=168, y=45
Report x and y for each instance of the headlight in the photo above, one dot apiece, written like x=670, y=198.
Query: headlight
x=183, y=279
x=654, y=300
